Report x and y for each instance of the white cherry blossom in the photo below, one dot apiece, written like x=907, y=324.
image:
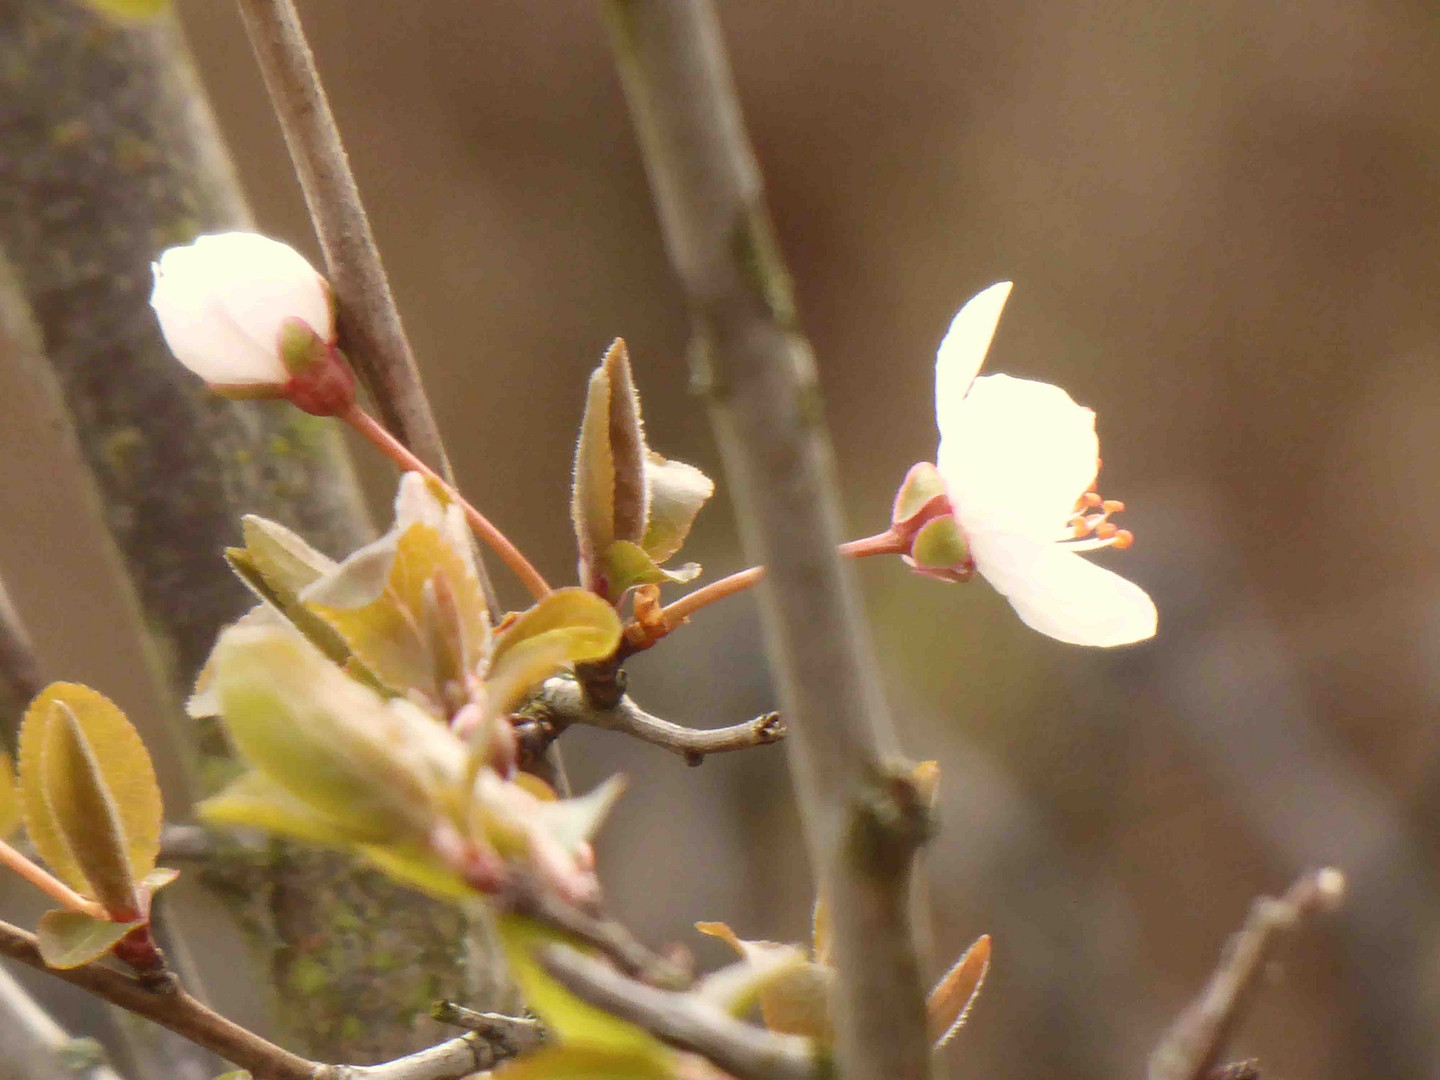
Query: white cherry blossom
x=1019, y=459
x=224, y=300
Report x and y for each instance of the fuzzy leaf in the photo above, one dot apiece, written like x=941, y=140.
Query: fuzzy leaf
x=252, y=801
x=382, y=601
x=568, y=626
x=286, y=562
x=375, y=767
x=573, y=822
x=11, y=812
x=609, y=499
x=584, y=1062
x=795, y=995
x=123, y=766
x=570, y=1019
x=954, y=995
x=627, y=565
x=737, y=987
x=677, y=492
x=821, y=934
x=86, y=813
x=67, y=939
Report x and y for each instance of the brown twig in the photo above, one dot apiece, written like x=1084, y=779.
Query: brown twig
x=523, y=896
x=1192, y=1046
x=369, y=321
x=20, y=678
x=512, y=1034
x=167, y=1004
x=686, y=1021
x=562, y=702
x=862, y=824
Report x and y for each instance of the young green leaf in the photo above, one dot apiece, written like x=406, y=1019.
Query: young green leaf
x=130, y=9
x=286, y=562
x=572, y=822
x=253, y=801
x=583, y=1062
x=11, y=812
x=382, y=601
x=677, y=492
x=122, y=766
x=954, y=995
x=67, y=939
x=627, y=565
x=350, y=756
x=794, y=996
x=609, y=499
x=87, y=814
x=568, y=626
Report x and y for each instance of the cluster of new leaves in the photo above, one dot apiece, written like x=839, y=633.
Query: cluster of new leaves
x=370, y=699
x=85, y=791
x=632, y=508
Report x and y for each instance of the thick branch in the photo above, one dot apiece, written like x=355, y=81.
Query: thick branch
x=562, y=702
x=686, y=1021
x=369, y=321
x=19, y=670
x=513, y=1034
x=759, y=374
x=1192, y=1046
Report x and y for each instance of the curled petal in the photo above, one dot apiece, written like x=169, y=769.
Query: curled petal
x=963, y=349
x=1060, y=594
x=1017, y=456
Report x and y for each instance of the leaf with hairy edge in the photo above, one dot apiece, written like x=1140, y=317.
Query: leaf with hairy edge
x=795, y=995
x=737, y=988
x=677, y=492
x=578, y=1062
x=609, y=498
x=67, y=939
x=11, y=812
x=572, y=822
x=568, y=626
x=569, y=1018
x=285, y=560
x=252, y=801
x=330, y=742
x=123, y=766
x=954, y=995
x=87, y=813
x=627, y=565
x=383, y=602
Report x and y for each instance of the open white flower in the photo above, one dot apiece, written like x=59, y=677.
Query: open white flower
x=1019, y=459
x=224, y=302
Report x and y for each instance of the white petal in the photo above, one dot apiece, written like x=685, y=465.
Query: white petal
x=1017, y=456
x=222, y=299
x=963, y=350
x=1061, y=594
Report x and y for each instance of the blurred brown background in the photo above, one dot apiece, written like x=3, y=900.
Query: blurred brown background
x=1221, y=221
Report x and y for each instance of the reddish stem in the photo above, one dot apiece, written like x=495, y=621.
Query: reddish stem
x=397, y=452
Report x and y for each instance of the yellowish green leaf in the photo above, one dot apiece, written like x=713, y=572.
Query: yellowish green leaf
x=417, y=866
x=254, y=802
x=286, y=561
x=627, y=565
x=382, y=601
x=572, y=822
x=677, y=492
x=124, y=767
x=568, y=626
x=87, y=814
x=579, y=1062
x=130, y=9
x=67, y=939
x=570, y=1019
x=372, y=766
x=592, y=491
x=794, y=993
x=11, y=812
x=954, y=995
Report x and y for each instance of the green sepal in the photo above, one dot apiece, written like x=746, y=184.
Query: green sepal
x=67, y=939
x=940, y=545
x=627, y=565
x=922, y=485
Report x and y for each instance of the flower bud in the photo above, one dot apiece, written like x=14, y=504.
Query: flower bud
x=226, y=301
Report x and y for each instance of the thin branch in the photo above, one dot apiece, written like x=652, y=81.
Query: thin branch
x=168, y=1005
x=513, y=1034
x=35, y=1045
x=20, y=678
x=523, y=896
x=562, y=702
x=686, y=1021
x=371, y=330
x=863, y=818
x=1191, y=1047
